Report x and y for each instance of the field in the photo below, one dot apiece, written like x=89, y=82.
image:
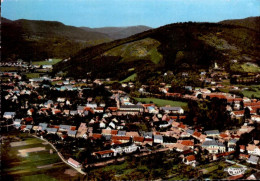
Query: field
x=163, y=102
x=54, y=61
x=31, y=160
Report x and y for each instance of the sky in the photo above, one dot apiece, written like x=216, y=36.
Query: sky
x=153, y=13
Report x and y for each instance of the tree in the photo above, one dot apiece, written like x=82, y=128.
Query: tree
x=241, y=105
x=247, y=113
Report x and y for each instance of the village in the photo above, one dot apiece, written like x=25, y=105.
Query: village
x=93, y=122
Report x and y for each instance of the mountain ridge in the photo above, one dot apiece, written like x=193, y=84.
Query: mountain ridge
x=119, y=32
x=182, y=46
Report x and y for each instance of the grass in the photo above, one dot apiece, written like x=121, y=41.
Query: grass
x=54, y=61
x=32, y=75
x=163, y=102
x=130, y=78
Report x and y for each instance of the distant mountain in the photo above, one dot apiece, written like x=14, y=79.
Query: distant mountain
x=119, y=32
x=175, y=47
x=31, y=40
x=251, y=22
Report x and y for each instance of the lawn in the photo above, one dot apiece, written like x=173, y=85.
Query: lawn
x=163, y=102
x=54, y=61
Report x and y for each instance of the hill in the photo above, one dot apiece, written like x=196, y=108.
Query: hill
x=119, y=32
x=251, y=22
x=175, y=47
x=34, y=40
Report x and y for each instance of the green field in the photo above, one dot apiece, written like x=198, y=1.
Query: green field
x=163, y=102
x=35, y=166
x=130, y=78
x=54, y=61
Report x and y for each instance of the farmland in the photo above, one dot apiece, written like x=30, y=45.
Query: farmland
x=37, y=164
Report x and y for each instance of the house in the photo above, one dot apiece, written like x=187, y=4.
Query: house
x=103, y=154
x=72, y=133
x=152, y=110
x=147, y=134
x=82, y=130
x=253, y=149
x=47, y=66
x=175, y=110
x=74, y=163
x=52, y=130
x=60, y=99
x=213, y=146
x=253, y=159
x=9, y=115
x=190, y=160
x=17, y=123
x=255, y=176
x=158, y=139
x=64, y=128
x=242, y=148
x=212, y=133
x=121, y=133
x=80, y=109
x=102, y=124
x=106, y=132
x=138, y=140
x=48, y=104
x=180, y=148
x=122, y=139
x=99, y=110
x=73, y=112
x=28, y=128
x=96, y=136
x=232, y=144
x=243, y=156
x=125, y=148
x=255, y=118
x=130, y=109
x=188, y=143
x=132, y=134
x=42, y=126
x=92, y=105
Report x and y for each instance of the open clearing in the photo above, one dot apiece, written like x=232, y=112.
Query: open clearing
x=24, y=152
